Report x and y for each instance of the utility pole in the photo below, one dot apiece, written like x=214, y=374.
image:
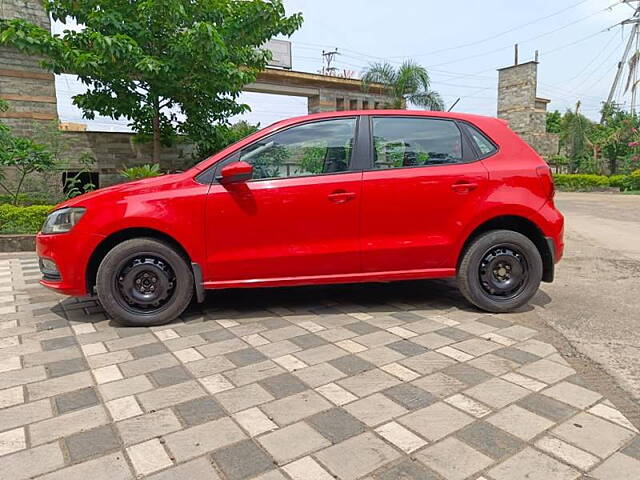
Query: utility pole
x=327, y=59
x=634, y=38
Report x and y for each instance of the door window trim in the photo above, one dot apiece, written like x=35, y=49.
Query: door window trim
x=358, y=154
x=469, y=154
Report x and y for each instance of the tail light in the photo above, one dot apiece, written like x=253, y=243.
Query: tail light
x=544, y=172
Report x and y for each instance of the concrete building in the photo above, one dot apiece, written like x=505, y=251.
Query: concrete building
x=519, y=105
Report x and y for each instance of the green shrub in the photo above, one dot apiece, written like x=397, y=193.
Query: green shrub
x=28, y=199
x=22, y=219
x=142, y=171
x=631, y=182
x=580, y=182
x=616, y=180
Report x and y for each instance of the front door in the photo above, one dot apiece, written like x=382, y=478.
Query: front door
x=297, y=217
x=422, y=179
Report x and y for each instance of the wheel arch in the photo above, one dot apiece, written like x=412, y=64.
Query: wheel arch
x=120, y=236
x=521, y=225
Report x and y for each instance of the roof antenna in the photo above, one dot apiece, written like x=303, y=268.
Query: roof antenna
x=454, y=104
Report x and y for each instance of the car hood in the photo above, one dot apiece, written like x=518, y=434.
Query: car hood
x=127, y=188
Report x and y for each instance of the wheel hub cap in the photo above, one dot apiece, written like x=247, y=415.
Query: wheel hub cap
x=503, y=272
x=146, y=283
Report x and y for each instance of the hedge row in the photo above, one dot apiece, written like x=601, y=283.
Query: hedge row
x=22, y=219
x=587, y=183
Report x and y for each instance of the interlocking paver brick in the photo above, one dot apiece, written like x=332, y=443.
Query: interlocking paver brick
x=24, y=414
x=209, y=366
x=573, y=395
x=361, y=328
x=306, y=469
x=198, y=469
x=620, y=467
x=56, y=386
x=295, y=407
x=407, y=348
x=520, y=422
x=11, y=396
x=91, y=443
x=148, y=350
x=407, y=470
x=490, y=440
x=254, y=373
x=172, y=395
x=76, y=400
x=283, y=385
x=200, y=410
x=66, y=367
x=254, y=421
x=439, y=384
x=593, y=434
x=127, y=386
x=399, y=436
x=336, y=424
x=453, y=459
x=123, y=408
x=567, y=453
x=143, y=427
x=56, y=343
x=633, y=449
x=291, y=442
x=497, y=393
x=351, y=365
x=170, y=376
x=195, y=441
x=148, y=364
x=309, y=340
x=427, y=363
x=381, y=355
x=467, y=374
x=243, y=397
x=109, y=467
x=67, y=424
x=368, y=382
x=148, y=457
x=242, y=460
x=12, y=441
x=435, y=421
x=319, y=374
x=547, y=407
x=516, y=355
x=357, y=456
x=410, y=396
x=532, y=465
x=31, y=462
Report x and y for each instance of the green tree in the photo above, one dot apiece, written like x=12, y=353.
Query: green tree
x=554, y=120
x=168, y=66
x=574, y=137
x=409, y=83
x=224, y=136
x=25, y=157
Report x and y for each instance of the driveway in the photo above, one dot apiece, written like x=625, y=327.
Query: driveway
x=384, y=382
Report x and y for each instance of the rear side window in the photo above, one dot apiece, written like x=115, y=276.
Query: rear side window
x=408, y=142
x=482, y=143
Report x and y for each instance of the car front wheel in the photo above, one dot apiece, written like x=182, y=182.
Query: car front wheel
x=144, y=282
x=500, y=271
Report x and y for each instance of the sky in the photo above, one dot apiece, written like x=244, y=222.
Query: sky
x=461, y=43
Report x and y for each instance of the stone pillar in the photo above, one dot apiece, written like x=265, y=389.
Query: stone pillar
x=28, y=89
x=519, y=105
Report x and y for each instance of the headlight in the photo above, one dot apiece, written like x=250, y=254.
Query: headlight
x=63, y=220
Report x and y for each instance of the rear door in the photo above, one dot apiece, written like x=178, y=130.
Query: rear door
x=298, y=216
x=422, y=177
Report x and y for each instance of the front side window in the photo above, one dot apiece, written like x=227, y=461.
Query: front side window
x=309, y=149
x=409, y=142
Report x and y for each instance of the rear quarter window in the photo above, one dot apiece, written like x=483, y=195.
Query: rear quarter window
x=482, y=143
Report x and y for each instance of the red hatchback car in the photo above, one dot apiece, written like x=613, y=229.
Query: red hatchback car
x=340, y=197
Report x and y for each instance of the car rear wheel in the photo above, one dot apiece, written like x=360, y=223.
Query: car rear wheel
x=500, y=271
x=144, y=282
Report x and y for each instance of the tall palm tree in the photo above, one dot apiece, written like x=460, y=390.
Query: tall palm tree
x=410, y=83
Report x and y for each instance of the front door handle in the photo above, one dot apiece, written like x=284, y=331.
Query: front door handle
x=341, y=196
x=464, y=186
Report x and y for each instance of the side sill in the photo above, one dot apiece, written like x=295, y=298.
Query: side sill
x=333, y=279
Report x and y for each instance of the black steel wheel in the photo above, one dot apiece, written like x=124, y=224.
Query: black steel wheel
x=144, y=281
x=500, y=271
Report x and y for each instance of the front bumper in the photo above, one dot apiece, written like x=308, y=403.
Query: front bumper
x=70, y=252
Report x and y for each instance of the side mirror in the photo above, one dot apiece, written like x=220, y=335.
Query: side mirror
x=235, y=172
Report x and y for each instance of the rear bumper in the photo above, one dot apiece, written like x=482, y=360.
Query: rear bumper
x=553, y=229
x=70, y=252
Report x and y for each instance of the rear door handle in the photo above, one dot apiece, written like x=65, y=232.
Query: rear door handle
x=341, y=196
x=464, y=186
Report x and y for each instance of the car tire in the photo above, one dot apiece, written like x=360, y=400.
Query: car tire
x=500, y=271
x=144, y=282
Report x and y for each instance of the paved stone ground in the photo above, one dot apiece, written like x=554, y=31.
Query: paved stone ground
x=380, y=382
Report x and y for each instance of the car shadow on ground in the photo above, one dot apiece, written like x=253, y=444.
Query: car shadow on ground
x=350, y=298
